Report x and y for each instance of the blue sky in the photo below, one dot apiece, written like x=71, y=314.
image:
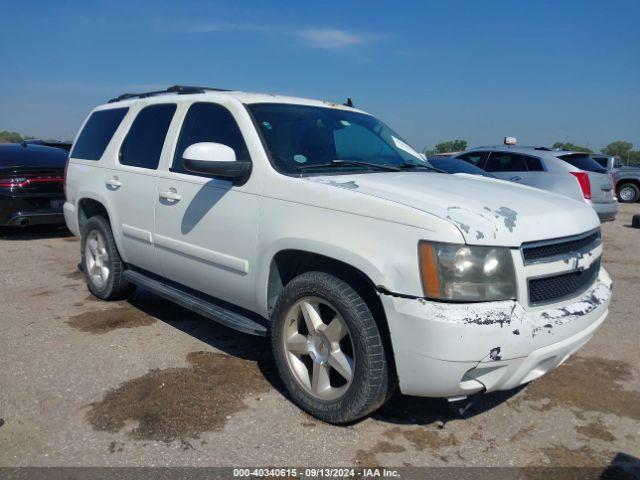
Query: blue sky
x=539, y=70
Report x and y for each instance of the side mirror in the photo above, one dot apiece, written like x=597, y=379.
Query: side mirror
x=214, y=159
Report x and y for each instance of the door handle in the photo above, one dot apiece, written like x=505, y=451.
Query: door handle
x=171, y=194
x=517, y=178
x=113, y=182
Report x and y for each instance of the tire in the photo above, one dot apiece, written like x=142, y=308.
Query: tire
x=105, y=284
x=334, y=398
x=628, y=193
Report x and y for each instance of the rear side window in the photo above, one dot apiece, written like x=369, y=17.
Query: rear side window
x=97, y=133
x=534, y=164
x=506, y=162
x=143, y=144
x=583, y=162
x=474, y=158
x=209, y=122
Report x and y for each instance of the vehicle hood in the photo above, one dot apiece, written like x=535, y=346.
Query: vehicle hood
x=486, y=211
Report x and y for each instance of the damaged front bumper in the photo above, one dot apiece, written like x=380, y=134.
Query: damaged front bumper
x=452, y=350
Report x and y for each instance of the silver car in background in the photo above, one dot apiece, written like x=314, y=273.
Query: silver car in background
x=573, y=174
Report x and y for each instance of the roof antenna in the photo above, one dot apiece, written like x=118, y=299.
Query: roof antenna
x=348, y=103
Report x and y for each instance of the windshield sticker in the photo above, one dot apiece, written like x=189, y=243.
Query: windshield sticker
x=267, y=125
x=407, y=148
x=300, y=158
x=345, y=123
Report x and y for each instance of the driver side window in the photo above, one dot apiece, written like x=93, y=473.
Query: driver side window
x=209, y=122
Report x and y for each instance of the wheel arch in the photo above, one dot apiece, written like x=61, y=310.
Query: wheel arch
x=623, y=181
x=288, y=263
x=88, y=207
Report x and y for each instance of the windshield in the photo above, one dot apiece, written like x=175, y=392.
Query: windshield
x=301, y=138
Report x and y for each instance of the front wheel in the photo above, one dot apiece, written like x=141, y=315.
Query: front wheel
x=628, y=193
x=328, y=349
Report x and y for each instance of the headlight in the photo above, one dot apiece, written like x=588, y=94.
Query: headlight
x=466, y=273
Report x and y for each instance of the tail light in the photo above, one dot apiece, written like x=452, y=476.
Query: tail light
x=22, y=180
x=583, y=181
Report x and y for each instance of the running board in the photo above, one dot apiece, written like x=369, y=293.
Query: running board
x=206, y=308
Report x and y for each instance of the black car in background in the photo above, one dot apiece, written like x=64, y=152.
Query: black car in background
x=31, y=184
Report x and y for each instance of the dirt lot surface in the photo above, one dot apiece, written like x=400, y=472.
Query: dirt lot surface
x=143, y=382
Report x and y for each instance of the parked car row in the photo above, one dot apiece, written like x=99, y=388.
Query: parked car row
x=318, y=224
x=572, y=174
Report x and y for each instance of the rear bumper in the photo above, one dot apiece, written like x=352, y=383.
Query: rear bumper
x=31, y=210
x=452, y=350
x=606, y=211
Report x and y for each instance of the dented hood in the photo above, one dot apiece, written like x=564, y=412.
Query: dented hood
x=486, y=211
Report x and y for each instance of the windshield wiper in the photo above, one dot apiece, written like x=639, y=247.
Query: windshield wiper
x=350, y=163
x=409, y=165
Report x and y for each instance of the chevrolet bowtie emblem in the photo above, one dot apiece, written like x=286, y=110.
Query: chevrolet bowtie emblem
x=581, y=261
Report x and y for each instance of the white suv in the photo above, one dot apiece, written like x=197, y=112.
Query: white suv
x=316, y=223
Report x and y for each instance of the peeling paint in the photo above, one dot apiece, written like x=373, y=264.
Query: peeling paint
x=479, y=314
x=585, y=305
x=463, y=226
x=494, y=354
x=491, y=318
x=510, y=217
x=350, y=185
x=464, y=217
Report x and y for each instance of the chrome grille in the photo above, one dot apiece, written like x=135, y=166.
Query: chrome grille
x=560, y=248
x=556, y=287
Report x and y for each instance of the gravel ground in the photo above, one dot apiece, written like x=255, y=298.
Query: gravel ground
x=146, y=383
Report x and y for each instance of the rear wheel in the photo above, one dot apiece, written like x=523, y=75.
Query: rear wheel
x=328, y=349
x=628, y=193
x=103, y=268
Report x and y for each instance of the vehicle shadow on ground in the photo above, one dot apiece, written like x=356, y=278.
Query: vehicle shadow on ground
x=407, y=410
x=37, y=232
x=401, y=409
x=227, y=340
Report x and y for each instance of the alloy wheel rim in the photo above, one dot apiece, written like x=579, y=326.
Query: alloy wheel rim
x=319, y=348
x=96, y=258
x=626, y=193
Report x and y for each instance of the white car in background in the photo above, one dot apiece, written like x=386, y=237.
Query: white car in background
x=317, y=223
x=572, y=174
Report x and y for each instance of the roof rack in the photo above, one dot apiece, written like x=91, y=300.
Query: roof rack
x=179, y=89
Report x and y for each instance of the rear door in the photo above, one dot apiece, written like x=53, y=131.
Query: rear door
x=132, y=186
x=600, y=180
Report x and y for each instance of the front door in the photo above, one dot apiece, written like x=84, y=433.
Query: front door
x=206, y=228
